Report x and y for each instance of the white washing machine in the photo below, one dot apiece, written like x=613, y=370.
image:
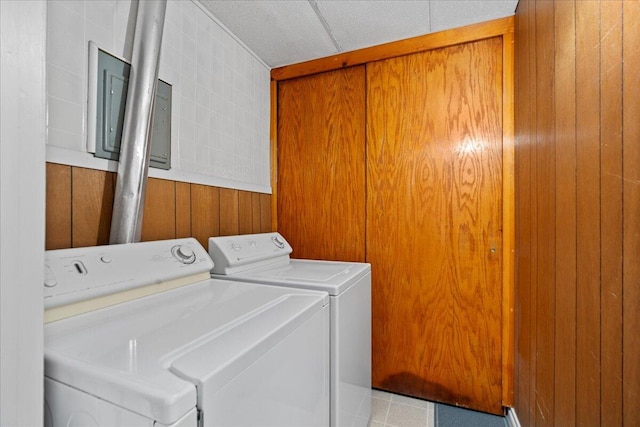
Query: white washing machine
x=265, y=258
x=140, y=335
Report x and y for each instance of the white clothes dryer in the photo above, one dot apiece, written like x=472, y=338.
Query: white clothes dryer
x=140, y=335
x=265, y=258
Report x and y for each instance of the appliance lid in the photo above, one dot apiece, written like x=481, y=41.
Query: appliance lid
x=333, y=277
x=222, y=358
x=126, y=353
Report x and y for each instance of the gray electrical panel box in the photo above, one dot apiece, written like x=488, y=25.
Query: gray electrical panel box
x=113, y=79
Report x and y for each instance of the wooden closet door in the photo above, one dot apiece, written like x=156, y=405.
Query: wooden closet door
x=434, y=223
x=321, y=164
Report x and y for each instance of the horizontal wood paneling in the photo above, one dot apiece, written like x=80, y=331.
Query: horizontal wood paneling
x=80, y=202
x=577, y=205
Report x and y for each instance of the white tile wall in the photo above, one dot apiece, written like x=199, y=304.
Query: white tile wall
x=220, y=113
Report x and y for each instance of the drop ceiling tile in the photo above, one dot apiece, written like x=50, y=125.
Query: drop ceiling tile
x=283, y=32
x=446, y=14
x=279, y=32
x=357, y=23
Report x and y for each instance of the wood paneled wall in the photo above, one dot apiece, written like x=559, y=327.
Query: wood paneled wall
x=79, y=205
x=577, y=213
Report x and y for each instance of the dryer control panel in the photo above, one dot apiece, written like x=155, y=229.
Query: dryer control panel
x=80, y=274
x=235, y=254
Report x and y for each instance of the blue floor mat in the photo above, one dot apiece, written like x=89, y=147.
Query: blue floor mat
x=451, y=416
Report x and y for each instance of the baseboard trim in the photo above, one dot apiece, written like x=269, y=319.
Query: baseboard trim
x=512, y=418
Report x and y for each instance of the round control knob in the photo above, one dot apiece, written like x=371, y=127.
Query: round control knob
x=278, y=241
x=184, y=254
x=236, y=246
x=50, y=282
x=49, y=279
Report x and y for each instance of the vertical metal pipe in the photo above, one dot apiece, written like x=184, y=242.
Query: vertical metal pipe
x=126, y=222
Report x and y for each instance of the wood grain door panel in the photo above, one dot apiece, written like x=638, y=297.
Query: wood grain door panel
x=321, y=165
x=434, y=223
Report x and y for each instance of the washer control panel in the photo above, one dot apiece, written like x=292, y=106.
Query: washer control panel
x=234, y=254
x=79, y=274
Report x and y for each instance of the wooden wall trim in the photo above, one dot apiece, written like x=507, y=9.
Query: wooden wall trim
x=274, y=154
x=483, y=30
x=508, y=219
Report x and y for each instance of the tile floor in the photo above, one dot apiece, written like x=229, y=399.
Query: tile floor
x=392, y=410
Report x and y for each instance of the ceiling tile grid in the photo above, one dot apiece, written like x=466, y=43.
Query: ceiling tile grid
x=448, y=14
x=357, y=24
x=282, y=32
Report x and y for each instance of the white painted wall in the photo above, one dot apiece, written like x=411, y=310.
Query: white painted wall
x=220, y=117
x=22, y=196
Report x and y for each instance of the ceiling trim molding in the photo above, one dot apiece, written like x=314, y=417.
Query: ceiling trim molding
x=484, y=30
